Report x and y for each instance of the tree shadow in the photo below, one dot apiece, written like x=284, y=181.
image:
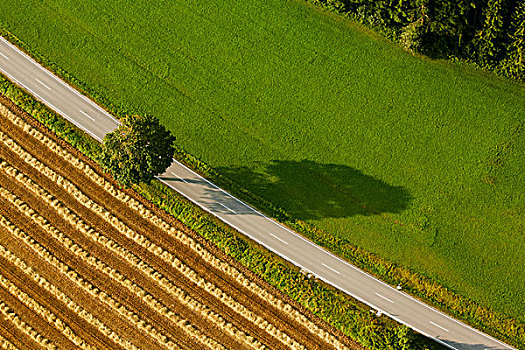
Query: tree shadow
x=310, y=190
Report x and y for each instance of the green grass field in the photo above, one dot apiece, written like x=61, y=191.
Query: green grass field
x=419, y=161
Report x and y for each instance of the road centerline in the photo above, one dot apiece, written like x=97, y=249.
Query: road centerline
x=227, y=208
x=87, y=115
x=44, y=85
x=180, y=178
x=331, y=268
x=438, y=326
x=381, y=296
x=280, y=239
x=4, y=56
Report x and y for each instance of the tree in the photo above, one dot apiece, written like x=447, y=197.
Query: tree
x=514, y=62
x=138, y=150
x=486, y=45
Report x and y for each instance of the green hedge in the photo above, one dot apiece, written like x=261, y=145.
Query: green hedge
x=346, y=314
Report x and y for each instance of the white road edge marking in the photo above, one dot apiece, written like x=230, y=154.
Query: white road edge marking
x=50, y=105
x=18, y=51
x=4, y=56
x=297, y=264
x=435, y=324
x=180, y=178
x=44, y=85
x=87, y=115
x=328, y=267
x=227, y=208
x=184, y=194
x=280, y=239
x=379, y=295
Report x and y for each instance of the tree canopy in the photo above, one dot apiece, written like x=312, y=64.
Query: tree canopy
x=138, y=150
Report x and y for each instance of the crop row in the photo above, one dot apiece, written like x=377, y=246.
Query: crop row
x=47, y=315
x=11, y=315
x=117, y=276
x=139, y=239
x=88, y=287
x=6, y=344
x=57, y=293
x=159, y=278
x=178, y=234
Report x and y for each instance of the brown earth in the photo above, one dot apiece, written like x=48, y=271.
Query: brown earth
x=104, y=282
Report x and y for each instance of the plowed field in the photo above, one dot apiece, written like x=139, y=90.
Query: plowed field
x=86, y=265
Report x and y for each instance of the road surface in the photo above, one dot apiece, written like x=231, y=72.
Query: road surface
x=279, y=239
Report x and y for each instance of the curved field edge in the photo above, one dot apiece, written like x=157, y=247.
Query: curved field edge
x=400, y=32
x=352, y=318
x=236, y=264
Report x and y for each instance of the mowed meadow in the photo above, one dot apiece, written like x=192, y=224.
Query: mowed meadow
x=419, y=161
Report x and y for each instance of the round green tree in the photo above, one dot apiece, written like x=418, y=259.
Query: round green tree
x=138, y=150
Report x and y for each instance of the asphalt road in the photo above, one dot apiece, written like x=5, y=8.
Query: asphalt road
x=279, y=239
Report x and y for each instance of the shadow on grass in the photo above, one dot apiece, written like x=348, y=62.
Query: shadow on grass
x=311, y=190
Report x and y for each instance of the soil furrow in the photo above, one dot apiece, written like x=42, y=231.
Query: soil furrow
x=91, y=261
x=102, y=282
x=36, y=328
x=79, y=326
x=29, y=271
x=77, y=294
x=13, y=338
